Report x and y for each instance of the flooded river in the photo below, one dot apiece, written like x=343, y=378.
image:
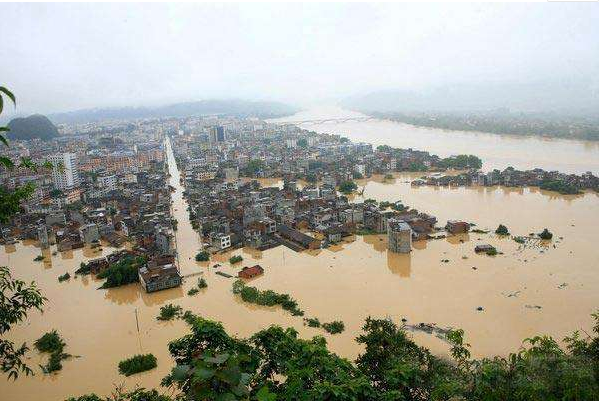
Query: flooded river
x=496, y=151
x=540, y=289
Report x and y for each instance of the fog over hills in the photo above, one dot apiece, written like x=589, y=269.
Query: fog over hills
x=261, y=109
x=570, y=97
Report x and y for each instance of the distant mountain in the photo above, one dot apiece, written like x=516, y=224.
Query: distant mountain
x=260, y=109
x=563, y=97
x=34, y=126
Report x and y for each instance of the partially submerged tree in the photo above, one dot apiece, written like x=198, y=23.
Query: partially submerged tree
x=17, y=298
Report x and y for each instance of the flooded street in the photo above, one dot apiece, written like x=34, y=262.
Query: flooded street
x=524, y=292
x=496, y=151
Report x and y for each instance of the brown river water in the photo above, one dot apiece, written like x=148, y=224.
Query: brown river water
x=496, y=151
x=351, y=281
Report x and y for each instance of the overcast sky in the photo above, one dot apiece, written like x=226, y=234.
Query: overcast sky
x=59, y=57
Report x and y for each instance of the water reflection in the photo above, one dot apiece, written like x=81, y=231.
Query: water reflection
x=10, y=248
x=131, y=293
x=400, y=263
x=457, y=239
x=253, y=252
x=378, y=242
x=66, y=254
x=419, y=245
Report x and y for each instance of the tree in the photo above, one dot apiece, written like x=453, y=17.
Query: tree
x=347, y=187
x=16, y=298
x=275, y=364
x=502, y=230
x=254, y=166
x=302, y=143
x=546, y=234
x=202, y=256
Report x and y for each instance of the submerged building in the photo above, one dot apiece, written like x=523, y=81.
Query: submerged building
x=157, y=275
x=400, y=236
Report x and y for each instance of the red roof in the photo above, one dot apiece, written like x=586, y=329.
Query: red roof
x=249, y=272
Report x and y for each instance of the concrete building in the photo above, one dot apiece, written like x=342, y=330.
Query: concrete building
x=360, y=169
x=156, y=277
x=221, y=241
x=165, y=242
x=42, y=236
x=400, y=236
x=217, y=134
x=89, y=233
x=457, y=227
x=109, y=182
x=65, y=171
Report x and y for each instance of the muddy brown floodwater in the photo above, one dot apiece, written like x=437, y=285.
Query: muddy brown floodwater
x=350, y=281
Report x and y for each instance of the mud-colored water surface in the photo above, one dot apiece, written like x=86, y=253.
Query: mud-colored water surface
x=349, y=282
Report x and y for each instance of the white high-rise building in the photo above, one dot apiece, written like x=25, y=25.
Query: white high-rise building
x=65, y=171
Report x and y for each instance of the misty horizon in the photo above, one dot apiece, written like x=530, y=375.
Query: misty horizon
x=66, y=57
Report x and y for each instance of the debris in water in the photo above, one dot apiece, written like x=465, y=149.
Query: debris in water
x=533, y=306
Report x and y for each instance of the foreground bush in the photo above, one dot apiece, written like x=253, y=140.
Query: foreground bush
x=275, y=364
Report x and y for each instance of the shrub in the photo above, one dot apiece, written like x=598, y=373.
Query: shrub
x=266, y=298
x=502, y=230
x=347, y=187
x=137, y=364
x=169, y=312
x=64, y=277
x=492, y=252
x=202, y=283
x=334, y=327
x=202, y=256
x=193, y=291
x=312, y=321
x=519, y=240
x=83, y=269
x=235, y=259
x=123, y=272
x=52, y=342
x=546, y=234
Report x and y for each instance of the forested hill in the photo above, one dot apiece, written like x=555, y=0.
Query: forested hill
x=34, y=126
x=244, y=108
